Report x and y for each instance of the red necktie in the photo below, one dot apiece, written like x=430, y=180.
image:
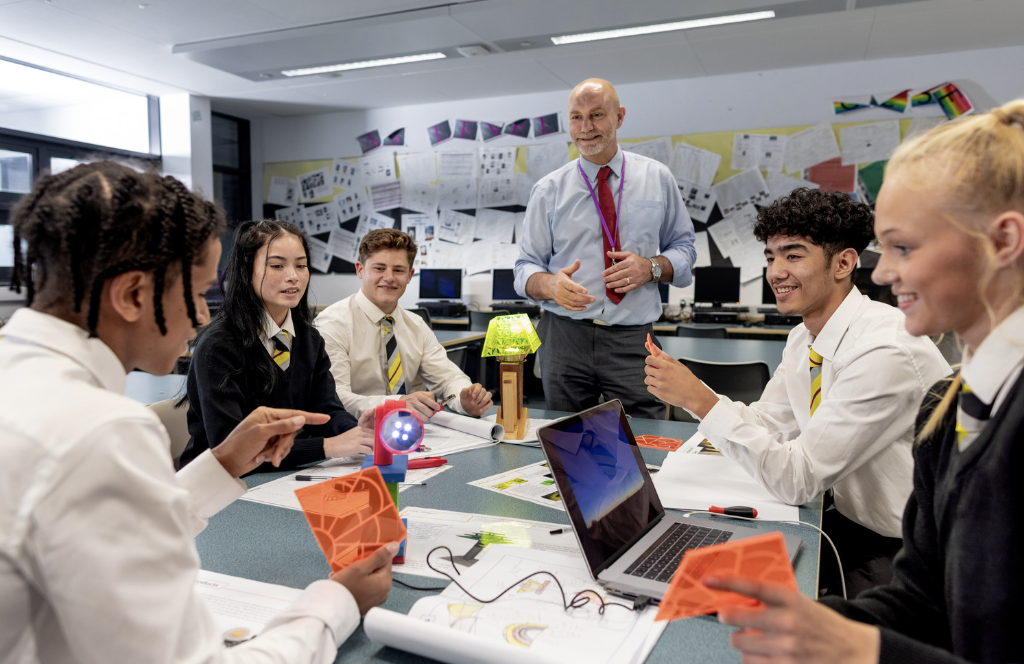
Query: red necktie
x=604, y=195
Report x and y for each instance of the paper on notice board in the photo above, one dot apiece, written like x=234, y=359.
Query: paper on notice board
x=351, y=203
x=545, y=158
x=520, y=220
x=783, y=185
x=692, y=164
x=811, y=146
x=524, y=185
x=377, y=168
x=505, y=256
x=386, y=195
x=725, y=235
x=419, y=196
x=343, y=244
x=320, y=218
x=457, y=194
x=758, y=151
x=456, y=164
x=699, y=201
x=371, y=222
x=658, y=149
x=456, y=227
x=921, y=125
x=875, y=141
x=315, y=184
x=700, y=245
x=345, y=174
x=417, y=167
x=283, y=191
x=420, y=227
x=742, y=190
x=496, y=162
x=293, y=215
x=495, y=225
x=497, y=191
x=479, y=257
x=319, y=255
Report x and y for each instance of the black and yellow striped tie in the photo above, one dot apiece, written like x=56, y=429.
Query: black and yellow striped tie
x=283, y=349
x=972, y=415
x=393, y=363
x=816, y=361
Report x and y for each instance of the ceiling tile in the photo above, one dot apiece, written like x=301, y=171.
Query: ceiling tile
x=672, y=58
x=941, y=26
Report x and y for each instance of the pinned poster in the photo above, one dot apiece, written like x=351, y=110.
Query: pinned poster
x=783, y=185
x=439, y=133
x=344, y=245
x=292, y=215
x=283, y=191
x=762, y=558
x=951, y=100
x=851, y=103
x=457, y=194
x=350, y=203
x=758, y=151
x=494, y=162
x=417, y=167
x=895, y=102
x=923, y=98
x=419, y=196
x=497, y=192
x=874, y=141
x=520, y=128
x=377, y=168
x=490, y=130
x=386, y=195
x=345, y=174
x=699, y=200
x=695, y=165
x=319, y=256
x=464, y=129
x=315, y=184
x=831, y=175
x=742, y=190
x=320, y=218
x=456, y=227
x=369, y=141
x=545, y=125
x=658, y=149
x=397, y=137
x=542, y=159
x=351, y=516
x=811, y=146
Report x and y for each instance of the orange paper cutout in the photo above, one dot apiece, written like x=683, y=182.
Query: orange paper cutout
x=659, y=442
x=763, y=558
x=351, y=516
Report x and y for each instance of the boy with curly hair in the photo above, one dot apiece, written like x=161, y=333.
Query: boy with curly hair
x=839, y=412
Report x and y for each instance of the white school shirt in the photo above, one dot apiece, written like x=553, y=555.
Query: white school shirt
x=992, y=370
x=97, y=559
x=874, y=375
x=270, y=330
x=354, y=340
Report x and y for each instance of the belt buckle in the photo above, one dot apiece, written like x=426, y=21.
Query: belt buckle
x=598, y=321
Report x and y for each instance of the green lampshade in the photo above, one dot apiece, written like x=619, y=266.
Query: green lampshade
x=510, y=335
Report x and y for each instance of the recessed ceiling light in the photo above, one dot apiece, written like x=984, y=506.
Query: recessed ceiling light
x=662, y=27
x=383, y=62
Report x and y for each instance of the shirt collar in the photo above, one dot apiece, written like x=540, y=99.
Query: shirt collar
x=371, y=310
x=591, y=169
x=39, y=329
x=827, y=342
x=270, y=328
x=995, y=360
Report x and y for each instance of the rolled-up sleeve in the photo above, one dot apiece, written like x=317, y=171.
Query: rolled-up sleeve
x=677, y=236
x=535, y=247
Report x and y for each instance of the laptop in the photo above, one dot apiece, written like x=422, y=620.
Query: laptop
x=631, y=546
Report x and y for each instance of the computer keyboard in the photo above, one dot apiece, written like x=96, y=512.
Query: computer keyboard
x=660, y=561
x=516, y=307
x=767, y=310
x=720, y=310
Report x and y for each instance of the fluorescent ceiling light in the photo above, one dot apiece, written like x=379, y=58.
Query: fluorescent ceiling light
x=662, y=27
x=383, y=62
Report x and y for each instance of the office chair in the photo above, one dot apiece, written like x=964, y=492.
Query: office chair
x=457, y=355
x=176, y=423
x=740, y=381
x=424, y=314
x=478, y=320
x=701, y=332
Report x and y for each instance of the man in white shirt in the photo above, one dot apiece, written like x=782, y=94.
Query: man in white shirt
x=839, y=412
x=377, y=349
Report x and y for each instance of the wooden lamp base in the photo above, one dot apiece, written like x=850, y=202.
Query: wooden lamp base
x=514, y=418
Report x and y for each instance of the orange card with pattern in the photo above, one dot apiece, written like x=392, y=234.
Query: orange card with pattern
x=351, y=516
x=763, y=558
x=659, y=442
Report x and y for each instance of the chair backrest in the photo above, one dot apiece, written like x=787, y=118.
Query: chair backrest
x=478, y=320
x=702, y=332
x=176, y=422
x=457, y=355
x=740, y=381
x=424, y=314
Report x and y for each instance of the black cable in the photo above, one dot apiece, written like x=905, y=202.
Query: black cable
x=575, y=603
x=409, y=585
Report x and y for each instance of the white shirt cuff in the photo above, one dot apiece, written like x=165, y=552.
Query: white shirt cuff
x=327, y=601
x=211, y=487
x=719, y=420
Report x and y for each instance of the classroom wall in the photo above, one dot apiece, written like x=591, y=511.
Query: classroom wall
x=786, y=97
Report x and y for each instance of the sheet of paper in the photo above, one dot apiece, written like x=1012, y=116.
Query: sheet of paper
x=758, y=151
x=386, y=195
x=345, y=174
x=520, y=220
x=283, y=191
x=319, y=255
x=495, y=225
x=699, y=201
x=524, y=185
x=658, y=149
x=315, y=184
x=456, y=164
x=698, y=481
x=497, y=191
x=320, y=218
x=505, y=256
x=417, y=167
x=456, y=227
x=921, y=125
x=377, y=168
x=419, y=196
x=532, y=483
x=495, y=162
x=479, y=257
x=831, y=175
x=542, y=159
x=698, y=445
x=459, y=194
x=692, y=164
x=783, y=185
x=344, y=245
x=875, y=141
x=370, y=221
x=293, y=215
x=420, y=227
x=529, y=438
x=440, y=439
x=742, y=190
x=726, y=236
x=441, y=255
x=471, y=534
x=811, y=146
x=700, y=244
x=238, y=603
x=351, y=203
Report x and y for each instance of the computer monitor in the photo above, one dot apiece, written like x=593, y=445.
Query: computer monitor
x=862, y=280
x=440, y=284
x=503, y=288
x=716, y=285
x=767, y=294
x=663, y=292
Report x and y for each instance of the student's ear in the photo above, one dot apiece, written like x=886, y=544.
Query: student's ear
x=412, y=271
x=844, y=263
x=130, y=294
x=359, y=269
x=1007, y=234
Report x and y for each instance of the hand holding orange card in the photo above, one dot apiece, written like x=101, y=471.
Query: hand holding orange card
x=351, y=516
x=762, y=558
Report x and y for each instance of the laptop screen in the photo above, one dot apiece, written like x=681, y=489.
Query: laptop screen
x=603, y=481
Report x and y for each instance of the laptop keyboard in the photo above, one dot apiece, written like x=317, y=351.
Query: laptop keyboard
x=660, y=561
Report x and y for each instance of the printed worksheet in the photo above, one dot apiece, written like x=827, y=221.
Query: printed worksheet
x=457, y=194
x=377, y=168
x=497, y=191
x=242, y=606
x=315, y=184
x=386, y=195
x=811, y=146
x=875, y=141
x=495, y=225
x=283, y=191
x=758, y=151
x=417, y=167
x=495, y=162
x=419, y=196
x=699, y=201
x=658, y=149
x=343, y=244
x=692, y=164
x=533, y=483
x=542, y=159
x=456, y=227
x=456, y=164
x=783, y=185
x=742, y=190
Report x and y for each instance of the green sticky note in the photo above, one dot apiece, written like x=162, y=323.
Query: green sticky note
x=872, y=176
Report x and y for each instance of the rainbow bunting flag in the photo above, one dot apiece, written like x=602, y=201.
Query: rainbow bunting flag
x=847, y=106
x=954, y=103
x=898, y=102
x=922, y=99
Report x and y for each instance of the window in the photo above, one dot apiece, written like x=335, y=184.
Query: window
x=232, y=174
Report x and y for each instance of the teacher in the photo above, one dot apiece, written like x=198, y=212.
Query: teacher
x=600, y=233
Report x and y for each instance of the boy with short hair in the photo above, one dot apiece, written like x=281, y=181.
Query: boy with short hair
x=377, y=348
x=839, y=411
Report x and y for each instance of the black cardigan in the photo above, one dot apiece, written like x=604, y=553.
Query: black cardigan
x=958, y=590
x=215, y=409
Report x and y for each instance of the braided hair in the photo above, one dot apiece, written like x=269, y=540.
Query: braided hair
x=96, y=221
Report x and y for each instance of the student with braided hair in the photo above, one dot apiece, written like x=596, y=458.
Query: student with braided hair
x=97, y=559
x=950, y=217
x=262, y=350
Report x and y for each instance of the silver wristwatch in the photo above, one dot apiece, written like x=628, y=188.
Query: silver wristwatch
x=655, y=270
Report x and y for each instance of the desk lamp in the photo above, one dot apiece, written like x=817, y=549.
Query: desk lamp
x=511, y=339
x=397, y=432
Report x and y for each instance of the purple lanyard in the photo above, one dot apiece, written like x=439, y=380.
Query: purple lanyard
x=613, y=242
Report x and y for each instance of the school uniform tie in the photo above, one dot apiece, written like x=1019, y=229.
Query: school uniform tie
x=604, y=196
x=815, y=380
x=393, y=363
x=283, y=349
x=971, y=416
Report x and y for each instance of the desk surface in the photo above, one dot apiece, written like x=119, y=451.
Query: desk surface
x=456, y=337
x=275, y=545
x=724, y=350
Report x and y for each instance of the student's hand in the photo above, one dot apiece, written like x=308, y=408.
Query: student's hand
x=369, y=579
x=673, y=383
x=423, y=403
x=629, y=272
x=567, y=293
x=266, y=434
x=793, y=628
x=475, y=400
x=357, y=440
